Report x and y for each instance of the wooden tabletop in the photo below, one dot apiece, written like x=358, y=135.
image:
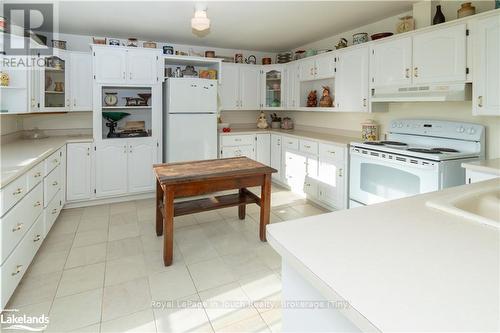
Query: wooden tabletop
x=185, y=172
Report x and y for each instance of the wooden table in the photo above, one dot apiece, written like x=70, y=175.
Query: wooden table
x=176, y=180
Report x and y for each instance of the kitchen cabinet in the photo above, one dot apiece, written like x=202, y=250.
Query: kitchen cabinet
x=54, y=81
x=110, y=65
x=141, y=157
x=351, y=82
x=276, y=156
x=80, y=75
x=111, y=167
x=292, y=85
x=79, y=159
x=486, y=62
x=142, y=66
x=332, y=187
x=272, y=87
x=473, y=176
x=263, y=148
x=391, y=63
x=249, y=87
x=238, y=145
x=237, y=151
x=317, y=67
x=230, y=87
x=240, y=87
x=15, y=96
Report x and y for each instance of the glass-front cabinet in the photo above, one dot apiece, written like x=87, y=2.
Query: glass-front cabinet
x=54, y=78
x=272, y=87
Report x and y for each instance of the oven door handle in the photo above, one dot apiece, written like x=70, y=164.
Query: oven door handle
x=395, y=160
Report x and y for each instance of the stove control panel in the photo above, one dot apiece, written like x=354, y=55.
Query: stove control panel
x=438, y=128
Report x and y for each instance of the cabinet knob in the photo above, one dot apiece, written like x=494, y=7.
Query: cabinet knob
x=18, y=270
x=18, y=191
x=415, y=71
x=407, y=73
x=124, y=75
x=37, y=238
x=341, y=172
x=130, y=75
x=55, y=160
x=38, y=203
x=364, y=101
x=55, y=183
x=38, y=174
x=54, y=211
x=74, y=101
x=18, y=227
x=480, y=101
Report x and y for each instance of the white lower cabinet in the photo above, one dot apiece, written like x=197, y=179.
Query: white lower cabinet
x=332, y=185
x=51, y=212
x=237, y=151
x=263, y=148
x=237, y=145
x=79, y=171
x=473, y=176
x=276, y=156
x=141, y=157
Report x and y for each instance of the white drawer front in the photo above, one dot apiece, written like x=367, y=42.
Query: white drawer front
x=35, y=175
x=13, y=192
x=238, y=151
x=19, y=219
x=52, y=184
x=290, y=143
x=331, y=151
x=51, y=212
x=310, y=147
x=52, y=161
x=17, y=263
x=237, y=140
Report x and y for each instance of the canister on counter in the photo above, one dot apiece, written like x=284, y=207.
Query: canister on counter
x=369, y=130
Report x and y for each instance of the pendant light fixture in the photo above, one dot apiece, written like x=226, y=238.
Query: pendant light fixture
x=200, y=21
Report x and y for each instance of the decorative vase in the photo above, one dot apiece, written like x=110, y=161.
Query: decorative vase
x=359, y=38
x=4, y=79
x=439, y=17
x=59, y=86
x=466, y=9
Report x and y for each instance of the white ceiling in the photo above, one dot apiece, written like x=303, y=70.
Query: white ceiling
x=250, y=25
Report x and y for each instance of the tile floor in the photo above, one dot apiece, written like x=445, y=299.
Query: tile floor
x=100, y=269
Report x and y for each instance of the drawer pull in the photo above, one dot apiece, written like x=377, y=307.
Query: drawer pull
x=18, y=191
x=307, y=146
x=19, y=226
x=38, y=174
x=238, y=140
x=38, y=203
x=55, y=160
x=54, y=211
x=37, y=238
x=55, y=183
x=19, y=268
x=340, y=172
x=290, y=142
x=331, y=152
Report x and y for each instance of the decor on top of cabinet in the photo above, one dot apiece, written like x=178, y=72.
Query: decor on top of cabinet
x=111, y=99
x=341, y=44
x=369, y=131
x=287, y=123
x=283, y=58
x=99, y=40
x=266, y=61
x=132, y=42
x=439, y=16
x=4, y=79
x=466, y=9
x=189, y=72
x=262, y=121
x=311, y=52
x=312, y=99
x=405, y=24
x=326, y=100
x=59, y=44
x=381, y=35
x=359, y=38
x=149, y=45
x=209, y=54
x=251, y=60
x=299, y=54
x=238, y=58
x=114, y=42
x=275, y=121
x=167, y=49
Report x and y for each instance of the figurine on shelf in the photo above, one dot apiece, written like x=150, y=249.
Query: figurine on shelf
x=312, y=99
x=262, y=121
x=326, y=100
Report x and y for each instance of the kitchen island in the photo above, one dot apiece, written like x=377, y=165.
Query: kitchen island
x=398, y=266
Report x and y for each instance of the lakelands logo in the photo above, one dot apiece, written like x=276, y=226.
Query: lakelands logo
x=12, y=321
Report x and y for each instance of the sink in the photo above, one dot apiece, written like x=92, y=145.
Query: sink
x=481, y=205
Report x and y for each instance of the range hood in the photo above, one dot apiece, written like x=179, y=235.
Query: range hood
x=424, y=93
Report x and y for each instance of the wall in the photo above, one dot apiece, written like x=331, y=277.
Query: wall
x=10, y=124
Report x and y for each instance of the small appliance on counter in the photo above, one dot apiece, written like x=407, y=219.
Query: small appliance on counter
x=287, y=123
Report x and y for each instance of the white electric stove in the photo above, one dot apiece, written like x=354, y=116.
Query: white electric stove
x=417, y=156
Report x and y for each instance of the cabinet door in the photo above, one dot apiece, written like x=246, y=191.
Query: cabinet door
x=352, y=81
x=332, y=185
x=292, y=86
x=440, y=55
x=55, y=83
x=249, y=87
x=141, y=157
x=263, y=148
x=272, y=87
x=325, y=66
x=81, y=82
x=79, y=171
x=276, y=155
x=142, y=67
x=111, y=167
x=295, y=170
x=391, y=63
x=306, y=70
x=230, y=87
x=486, y=60
x=110, y=65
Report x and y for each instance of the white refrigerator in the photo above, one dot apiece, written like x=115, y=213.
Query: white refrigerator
x=190, y=119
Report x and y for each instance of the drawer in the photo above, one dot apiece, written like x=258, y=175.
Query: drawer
x=310, y=147
x=291, y=143
x=35, y=175
x=52, y=161
x=17, y=263
x=238, y=151
x=237, y=140
x=19, y=219
x=51, y=212
x=13, y=192
x=51, y=184
x=331, y=151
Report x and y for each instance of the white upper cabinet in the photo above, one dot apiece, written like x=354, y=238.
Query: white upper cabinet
x=79, y=171
x=141, y=157
x=352, y=80
x=142, y=66
x=272, y=97
x=230, y=87
x=110, y=65
x=486, y=70
x=440, y=55
x=81, y=81
x=292, y=85
x=249, y=88
x=318, y=67
x=307, y=69
x=54, y=81
x=240, y=87
x=391, y=63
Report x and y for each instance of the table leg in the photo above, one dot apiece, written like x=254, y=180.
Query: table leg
x=168, y=225
x=242, y=208
x=159, y=216
x=265, y=206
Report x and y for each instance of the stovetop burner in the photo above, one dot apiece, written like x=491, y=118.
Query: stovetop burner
x=424, y=150
x=393, y=143
x=446, y=150
x=373, y=143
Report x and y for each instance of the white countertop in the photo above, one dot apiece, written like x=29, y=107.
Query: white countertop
x=320, y=136
x=19, y=156
x=487, y=166
x=401, y=265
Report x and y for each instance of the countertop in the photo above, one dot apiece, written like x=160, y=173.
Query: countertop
x=320, y=136
x=487, y=166
x=19, y=156
x=401, y=265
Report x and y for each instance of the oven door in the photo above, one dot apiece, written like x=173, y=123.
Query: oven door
x=377, y=177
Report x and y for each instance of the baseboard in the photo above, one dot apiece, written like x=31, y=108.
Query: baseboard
x=104, y=201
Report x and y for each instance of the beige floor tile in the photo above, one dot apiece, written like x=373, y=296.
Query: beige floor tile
x=146, y=213
x=152, y=243
x=123, y=231
x=171, y=284
x=197, y=251
x=124, y=248
x=75, y=311
x=93, y=223
x=93, y=211
x=119, y=219
x=126, y=298
x=32, y=310
x=88, y=329
x=83, y=278
x=286, y=213
x=125, y=269
x=64, y=226
x=184, y=221
x=145, y=203
x=263, y=285
x=269, y=256
x=154, y=261
x=192, y=233
x=86, y=255
x=210, y=273
x=90, y=237
x=230, y=244
x=253, y=324
x=244, y=263
x=309, y=209
x=57, y=242
x=35, y=289
x=122, y=207
x=142, y=321
x=71, y=213
x=147, y=228
x=208, y=216
x=48, y=262
x=273, y=319
x=273, y=217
